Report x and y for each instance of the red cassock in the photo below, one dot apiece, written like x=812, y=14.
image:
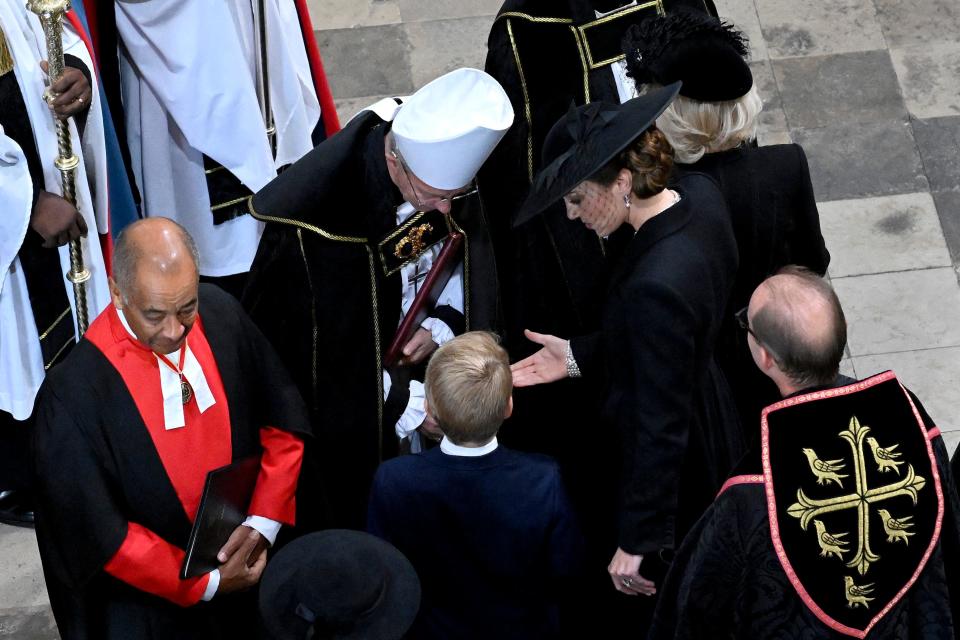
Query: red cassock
x=141, y=487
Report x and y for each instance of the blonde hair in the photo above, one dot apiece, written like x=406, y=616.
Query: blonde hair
x=468, y=387
x=695, y=128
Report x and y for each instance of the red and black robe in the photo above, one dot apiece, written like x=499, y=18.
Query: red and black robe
x=117, y=492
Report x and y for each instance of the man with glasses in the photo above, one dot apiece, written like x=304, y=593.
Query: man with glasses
x=353, y=232
x=844, y=516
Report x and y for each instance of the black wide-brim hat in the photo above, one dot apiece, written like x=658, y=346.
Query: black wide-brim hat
x=584, y=140
x=346, y=584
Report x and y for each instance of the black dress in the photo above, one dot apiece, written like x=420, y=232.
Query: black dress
x=679, y=429
x=776, y=223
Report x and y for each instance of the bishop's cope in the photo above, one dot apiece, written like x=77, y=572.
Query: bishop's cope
x=169, y=382
x=843, y=520
x=355, y=239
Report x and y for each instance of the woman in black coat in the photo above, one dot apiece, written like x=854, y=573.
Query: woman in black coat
x=678, y=430
x=711, y=127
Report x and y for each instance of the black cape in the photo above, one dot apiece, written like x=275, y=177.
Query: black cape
x=776, y=223
x=319, y=290
x=727, y=582
x=97, y=469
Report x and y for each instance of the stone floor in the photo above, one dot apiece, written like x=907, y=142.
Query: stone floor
x=870, y=88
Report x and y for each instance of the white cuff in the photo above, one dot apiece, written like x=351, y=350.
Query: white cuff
x=438, y=329
x=268, y=528
x=415, y=413
x=212, y=585
x=387, y=384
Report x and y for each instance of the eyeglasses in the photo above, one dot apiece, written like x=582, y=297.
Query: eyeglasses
x=436, y=201
x=744, y=322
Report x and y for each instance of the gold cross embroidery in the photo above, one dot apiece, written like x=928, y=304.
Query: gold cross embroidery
x=806, y=509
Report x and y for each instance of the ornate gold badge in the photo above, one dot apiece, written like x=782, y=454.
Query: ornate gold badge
x=412, y=244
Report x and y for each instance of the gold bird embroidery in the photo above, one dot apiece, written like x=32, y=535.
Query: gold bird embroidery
x=885, y=456
x=825, y=470
x=830, y=543
x=896, y=528
x=857, y=595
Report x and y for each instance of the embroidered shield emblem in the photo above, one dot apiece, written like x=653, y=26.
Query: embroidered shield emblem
x=853, y=497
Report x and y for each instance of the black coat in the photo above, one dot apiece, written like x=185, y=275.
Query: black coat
x=776, y=223
x=319, y=291
x=98, y=470
x=493, y=539
x=677, y=421
x=554, y=270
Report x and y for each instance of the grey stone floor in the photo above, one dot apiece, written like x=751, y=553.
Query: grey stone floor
x=870, y=88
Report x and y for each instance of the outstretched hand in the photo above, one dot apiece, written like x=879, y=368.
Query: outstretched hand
x=549, y=364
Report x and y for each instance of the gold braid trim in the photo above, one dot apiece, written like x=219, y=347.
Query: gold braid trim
x=303, y=225
x=526, y=102
x=530, y=18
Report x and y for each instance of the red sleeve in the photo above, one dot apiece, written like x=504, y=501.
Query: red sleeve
x=149, y=563
x=274, y=497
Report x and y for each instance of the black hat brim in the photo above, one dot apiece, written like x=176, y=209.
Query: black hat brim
x=393, y=614
x=573, y=166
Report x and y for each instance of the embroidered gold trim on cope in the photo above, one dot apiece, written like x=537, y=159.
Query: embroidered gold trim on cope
x=53, y=360
x=407, y=243
x=303, y=225
x=313, y=320
x=229, y=203
x=596, y=64
x=6, y=59
x=66, y=312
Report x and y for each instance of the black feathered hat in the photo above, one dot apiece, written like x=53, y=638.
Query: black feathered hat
x=701, y=51
x=582, y=142
x=339, y=584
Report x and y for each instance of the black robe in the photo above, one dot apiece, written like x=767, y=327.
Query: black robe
x=726, y=581
x=98, y=469
x=319, y=291
x=776, y=223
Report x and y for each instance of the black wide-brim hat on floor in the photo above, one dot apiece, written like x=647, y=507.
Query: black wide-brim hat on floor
x=706, y=54
x=343, y=584
x=583, y=141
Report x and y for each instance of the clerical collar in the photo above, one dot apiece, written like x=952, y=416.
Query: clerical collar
x=452, y=449
x=173, y=417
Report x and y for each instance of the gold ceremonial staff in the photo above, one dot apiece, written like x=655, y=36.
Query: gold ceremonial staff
x=51, y=13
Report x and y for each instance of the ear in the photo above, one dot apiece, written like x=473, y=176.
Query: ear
x=509, y=411
x=765, y=360
x=115, y=293
x=625, y=181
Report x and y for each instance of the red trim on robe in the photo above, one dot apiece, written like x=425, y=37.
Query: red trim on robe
x=106, y=242
x=145, y=560
x=933, y=433
x=328, y=110
x=150, y=563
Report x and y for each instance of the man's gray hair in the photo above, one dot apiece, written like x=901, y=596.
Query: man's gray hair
x=126, y=255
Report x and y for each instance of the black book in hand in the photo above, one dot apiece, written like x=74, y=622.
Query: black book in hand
x=223, y=507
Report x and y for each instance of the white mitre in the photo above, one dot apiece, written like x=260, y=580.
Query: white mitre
x=446, y=130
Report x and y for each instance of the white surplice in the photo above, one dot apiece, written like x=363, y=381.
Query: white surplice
x=189, y=88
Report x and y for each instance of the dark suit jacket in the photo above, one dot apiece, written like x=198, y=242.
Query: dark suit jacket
x=662, y=315
x=776, y=223
x=491, y=538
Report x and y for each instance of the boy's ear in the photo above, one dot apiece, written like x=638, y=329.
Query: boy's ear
x=507, y=413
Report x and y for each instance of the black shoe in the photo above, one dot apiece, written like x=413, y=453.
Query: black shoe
x=16, y=509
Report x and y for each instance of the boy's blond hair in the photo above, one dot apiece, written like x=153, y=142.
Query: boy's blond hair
x=468, y=387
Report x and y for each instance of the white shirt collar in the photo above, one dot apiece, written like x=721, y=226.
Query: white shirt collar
x=467, y=452
x=173, y=417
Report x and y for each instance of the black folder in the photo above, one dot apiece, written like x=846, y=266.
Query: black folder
x=223, y=507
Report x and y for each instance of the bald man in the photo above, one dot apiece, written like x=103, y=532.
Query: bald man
x=777, y=554
x=170, y=382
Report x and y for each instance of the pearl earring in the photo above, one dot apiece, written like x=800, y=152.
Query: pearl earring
x=626, y=201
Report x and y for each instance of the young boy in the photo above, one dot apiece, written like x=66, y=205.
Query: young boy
x=490, y=531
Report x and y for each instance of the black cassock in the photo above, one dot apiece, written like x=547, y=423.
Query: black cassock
x=728, y=582
x=775, y=221
x=320, y=290
x=98, y=470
